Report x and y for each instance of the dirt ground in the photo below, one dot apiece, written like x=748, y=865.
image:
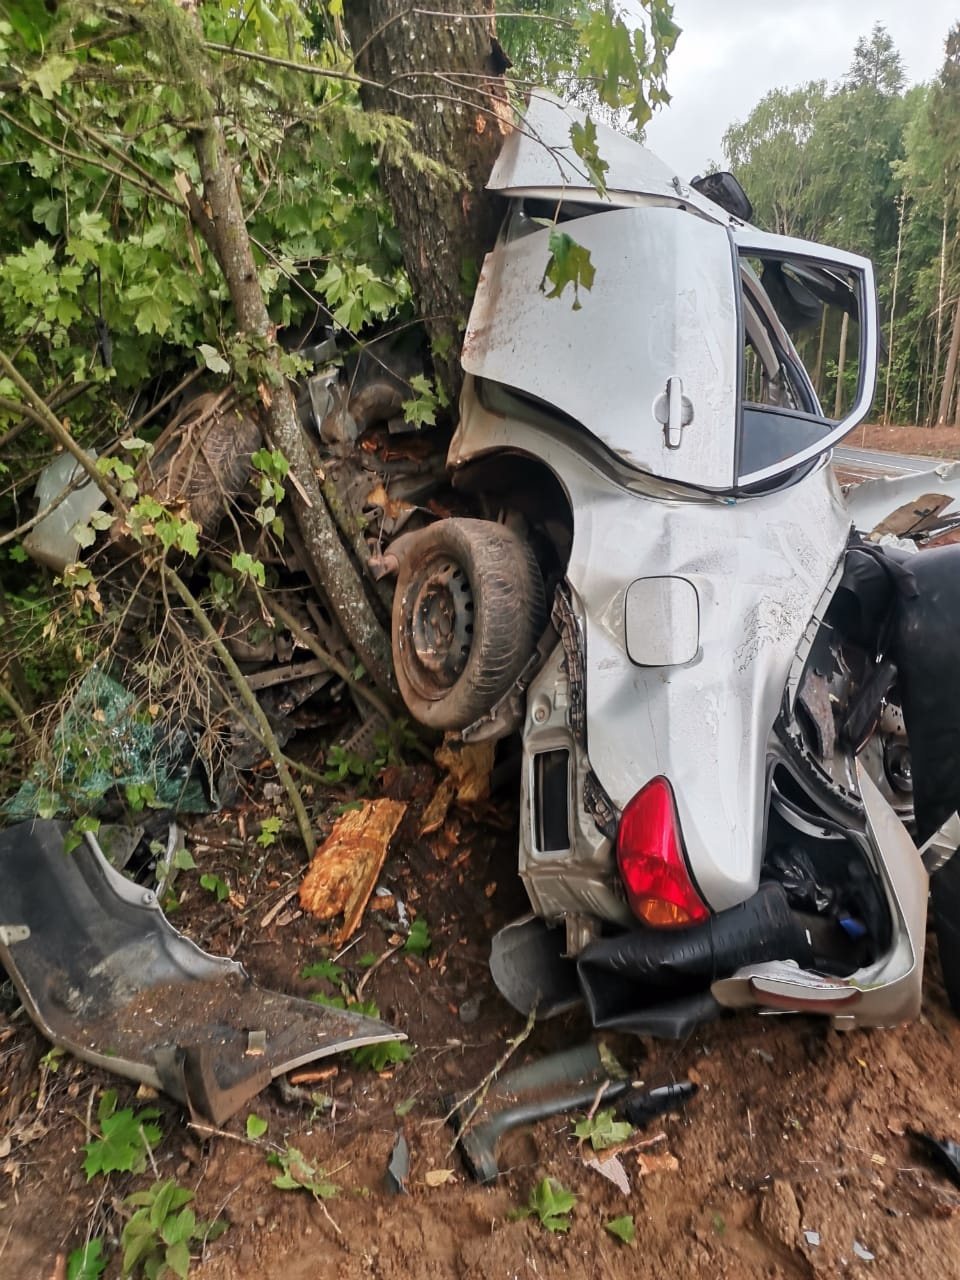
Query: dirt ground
x=793, y=1160
x=932, y=442
x=796, y=1129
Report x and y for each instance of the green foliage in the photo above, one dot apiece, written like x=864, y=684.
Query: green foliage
x=421, y=409
x=215, y=885
x=602, y=1130
x=625, y=1229
x=256, y=1126
x=300, y=1174
x=125, y=1137
x=74, y=836
x=156, y=1239
x=568, y=263
x=874, y=168
x=269, y=830
x=322, y=969
x=551, y=1204
x=418, y=941
x=87, y=1262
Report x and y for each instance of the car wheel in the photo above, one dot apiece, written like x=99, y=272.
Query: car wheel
x=467, y=613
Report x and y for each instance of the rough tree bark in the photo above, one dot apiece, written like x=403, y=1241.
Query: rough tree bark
x=455, y=110
x=950, y=372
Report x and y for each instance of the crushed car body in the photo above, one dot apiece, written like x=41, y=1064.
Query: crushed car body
x=717, y=787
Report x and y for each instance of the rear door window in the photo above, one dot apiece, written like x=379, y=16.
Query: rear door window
x=808, y=330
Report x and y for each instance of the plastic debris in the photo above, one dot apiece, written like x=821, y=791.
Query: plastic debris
x=641, y=1108
x=612, y=1169
x=344, y=871
x=398, y=1169
x=862, y=1252
x=105, y=743
x=812, y=1238
x=943, y=1152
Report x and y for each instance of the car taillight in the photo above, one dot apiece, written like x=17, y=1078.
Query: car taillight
x=652, y=865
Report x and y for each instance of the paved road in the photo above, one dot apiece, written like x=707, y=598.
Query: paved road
x=868, y=464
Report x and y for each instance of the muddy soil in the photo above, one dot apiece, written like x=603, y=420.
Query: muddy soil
x=794, y=1159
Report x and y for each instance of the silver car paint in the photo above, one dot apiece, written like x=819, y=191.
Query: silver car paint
x=759, y=568
x=762, y=568
x=663, y=305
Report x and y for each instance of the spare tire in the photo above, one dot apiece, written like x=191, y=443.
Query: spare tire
x=467, y=613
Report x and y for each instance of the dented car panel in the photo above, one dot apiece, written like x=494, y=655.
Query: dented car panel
x=657, y=331
x=758, y=568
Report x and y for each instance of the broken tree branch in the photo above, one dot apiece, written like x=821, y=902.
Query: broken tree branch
x=268, y=737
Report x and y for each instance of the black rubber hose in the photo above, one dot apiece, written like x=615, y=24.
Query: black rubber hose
x=760, y=929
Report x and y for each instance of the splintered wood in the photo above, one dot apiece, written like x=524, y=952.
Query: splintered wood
x=467, y=780
x=344, y=871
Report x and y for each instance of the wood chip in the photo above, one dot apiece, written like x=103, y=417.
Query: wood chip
x=313, y=1077
x=439, y=1177
x=469, y=766
x=435, y=813
x=649, y=1162
x=344, y=871
x=277, y=907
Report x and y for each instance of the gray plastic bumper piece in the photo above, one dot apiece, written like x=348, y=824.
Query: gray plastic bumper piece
x=103, y=974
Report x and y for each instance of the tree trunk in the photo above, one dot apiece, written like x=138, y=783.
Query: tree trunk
x=950, y=373
x=893, y=318
x=455, y=111
x=818, y=371
x=224, y=227
x=841, y=361
x=940, y=304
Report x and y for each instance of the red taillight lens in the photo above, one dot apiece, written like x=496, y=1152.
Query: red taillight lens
x=652, y=865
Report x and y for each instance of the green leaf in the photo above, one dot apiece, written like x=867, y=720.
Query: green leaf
x=87, y=1262
x=213, y=359
x=584, y=140
x=624, y=1228
x=602, y=1131
x=299, y=1174
x=177, y=1259
x=256, y=1126
x=213, y=884
x=183, y=859
x=52, y=75
x=418, y=941
x=83, y=535
x=323, y=969
x=120, y=1148
x=568, y=263
x=551, y=1203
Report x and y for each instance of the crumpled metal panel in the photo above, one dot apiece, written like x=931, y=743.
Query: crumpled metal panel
x=761, y=567
x=663, y=306
x=539, y=155
x=874, y=501
x=103, y=974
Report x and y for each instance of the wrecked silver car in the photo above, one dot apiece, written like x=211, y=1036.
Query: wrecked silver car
x=742, y=715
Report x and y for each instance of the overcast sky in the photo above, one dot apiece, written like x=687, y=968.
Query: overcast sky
x=732, y=52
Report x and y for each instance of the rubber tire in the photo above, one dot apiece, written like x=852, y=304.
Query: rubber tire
x=508, y=617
